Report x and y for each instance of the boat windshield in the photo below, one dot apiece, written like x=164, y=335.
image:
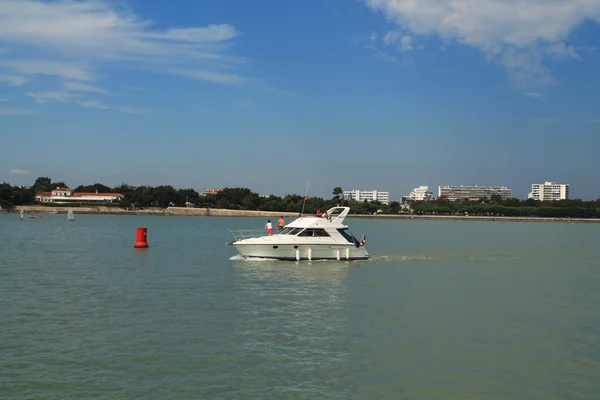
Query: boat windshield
x=347, y=235
x=290, y=231
x=314, y=232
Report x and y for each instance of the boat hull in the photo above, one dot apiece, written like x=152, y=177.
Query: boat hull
x=297, y=252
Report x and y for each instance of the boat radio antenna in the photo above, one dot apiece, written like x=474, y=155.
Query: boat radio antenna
x=305, y=197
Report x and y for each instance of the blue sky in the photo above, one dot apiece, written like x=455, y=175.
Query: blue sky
x=363, y=94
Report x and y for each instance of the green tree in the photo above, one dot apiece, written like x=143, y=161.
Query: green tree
x=165, y=196
x=512, y=202
x=441, y=201
x=93, y=188
x=123, y=188
x=6, y=195
x=496, y=198
x=189, y=196
x=223, y=202
x=338, y=195
x=234, y=196
x=531, y=203
x=42, y=184
x=23, y=196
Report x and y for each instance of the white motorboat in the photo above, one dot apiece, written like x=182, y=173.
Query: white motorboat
x=306, y=238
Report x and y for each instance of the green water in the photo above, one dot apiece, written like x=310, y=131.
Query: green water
x=444, y=310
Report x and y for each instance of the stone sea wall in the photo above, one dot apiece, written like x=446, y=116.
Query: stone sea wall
x=274, y=215
x=217, y=212
x=37, y=209
x=177, y=211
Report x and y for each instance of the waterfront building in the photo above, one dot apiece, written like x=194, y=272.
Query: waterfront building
x=472, y=193
x=209, y=191
x=420, y=193
x=368, y=195
x=549, y=191
x=65, y=196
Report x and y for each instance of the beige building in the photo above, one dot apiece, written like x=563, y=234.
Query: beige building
x=65, y=195
x=420, y=193
x=472, y=193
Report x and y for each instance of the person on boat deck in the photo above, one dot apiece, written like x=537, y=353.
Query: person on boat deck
x=269, y=227
x=319, y=213
x=281, y=223
x=326, y=216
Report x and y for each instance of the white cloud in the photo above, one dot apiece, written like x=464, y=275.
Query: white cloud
x=50, y=97
x=101, y=106
x=383, y=56
x=131, y=110
x=406, y=43
x=68, y=70
x=93, y=104
x=13, y=111
x=76, y=40
x=204, y=75
x=18, y=172
x=4, y=99
x=82, y=87
x=517, y=34
x=536, y=95
x=12, y=80
x=74, y=98
x=403, y=41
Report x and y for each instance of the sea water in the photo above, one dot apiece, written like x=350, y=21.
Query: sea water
x=443, y=310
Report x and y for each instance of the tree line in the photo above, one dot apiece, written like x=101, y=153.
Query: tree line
x=245, y=199
x=512, y=207
x=165, y=195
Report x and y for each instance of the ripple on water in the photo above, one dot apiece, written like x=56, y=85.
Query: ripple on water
x=452, y=311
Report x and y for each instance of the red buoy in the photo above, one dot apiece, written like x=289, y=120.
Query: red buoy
x=142, y=238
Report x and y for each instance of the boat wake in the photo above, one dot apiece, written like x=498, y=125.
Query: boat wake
x=441, y=257
x=239, y=257
x=399, y=257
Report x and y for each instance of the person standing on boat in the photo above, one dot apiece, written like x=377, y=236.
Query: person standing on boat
x=269, y=227
x=281, y=223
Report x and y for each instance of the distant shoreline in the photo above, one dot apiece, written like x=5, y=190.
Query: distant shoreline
x=203, y=212
x=476, y=218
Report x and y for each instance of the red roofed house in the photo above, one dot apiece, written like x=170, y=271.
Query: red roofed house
x=64, y=195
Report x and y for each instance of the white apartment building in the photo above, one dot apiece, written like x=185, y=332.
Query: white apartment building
x=549, y=191
x=368, y=195
x=420, y=193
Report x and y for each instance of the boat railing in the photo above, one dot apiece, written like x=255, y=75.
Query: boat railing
x=241, y=234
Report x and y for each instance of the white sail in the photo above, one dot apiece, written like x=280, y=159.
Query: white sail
x=70, y=216
x=21, y=214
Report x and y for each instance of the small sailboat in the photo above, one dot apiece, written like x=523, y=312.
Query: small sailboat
x=70, y=216
x=21, y=215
